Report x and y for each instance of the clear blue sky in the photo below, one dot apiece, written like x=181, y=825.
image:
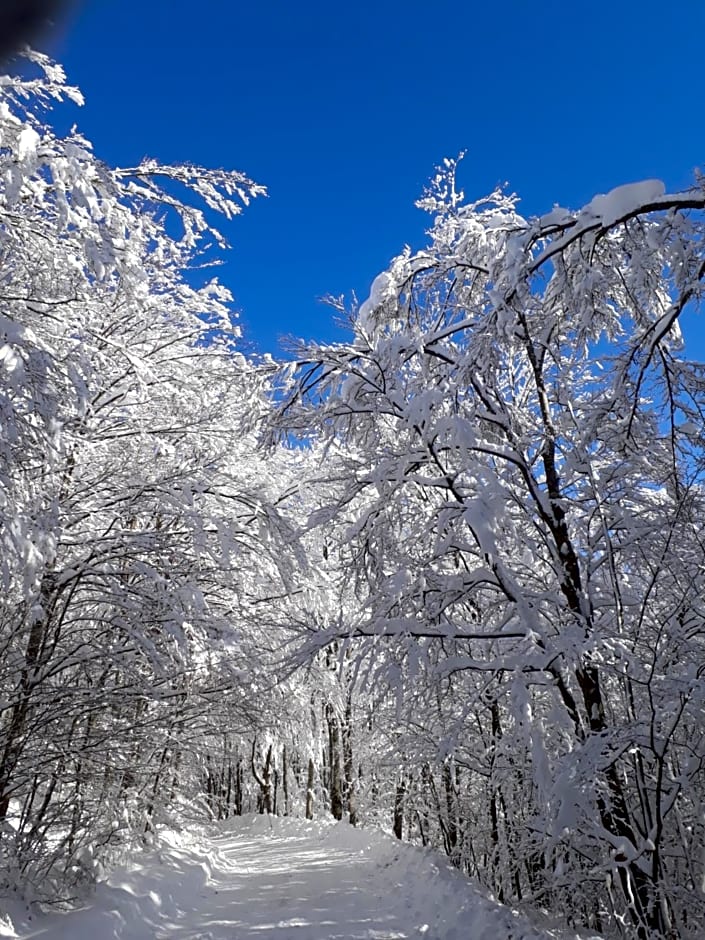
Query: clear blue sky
x=343, y=110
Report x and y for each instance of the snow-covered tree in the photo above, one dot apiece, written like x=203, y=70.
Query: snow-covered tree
x=522, y=507
x=137, y=523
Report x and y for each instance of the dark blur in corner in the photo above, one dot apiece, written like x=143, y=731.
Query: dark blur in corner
x=28, y=22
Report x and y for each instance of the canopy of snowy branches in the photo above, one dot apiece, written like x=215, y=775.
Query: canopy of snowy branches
x=445, y=578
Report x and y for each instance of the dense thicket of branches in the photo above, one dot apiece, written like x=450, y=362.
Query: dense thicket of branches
x=150, y=551
x=517, y=492
x=467, y=608
x=129, y=488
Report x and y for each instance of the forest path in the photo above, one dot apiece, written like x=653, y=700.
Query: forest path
x=256, y=878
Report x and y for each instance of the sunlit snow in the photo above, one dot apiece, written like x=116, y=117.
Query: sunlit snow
x=283, y=879
x=623, y=200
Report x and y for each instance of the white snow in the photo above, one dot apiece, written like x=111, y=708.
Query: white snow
x=27, y=143
x=620, y=202
x=556, y=216
x=282, y=879
x=382, y=288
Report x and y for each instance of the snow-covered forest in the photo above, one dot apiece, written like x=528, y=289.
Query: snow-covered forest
x=445, y=578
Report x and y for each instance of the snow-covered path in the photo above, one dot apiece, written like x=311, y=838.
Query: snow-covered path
x=260, y=879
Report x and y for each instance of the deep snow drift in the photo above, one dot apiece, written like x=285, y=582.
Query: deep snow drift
x=282, y=879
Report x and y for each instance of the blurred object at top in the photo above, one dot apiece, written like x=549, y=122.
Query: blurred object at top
x=25, y=22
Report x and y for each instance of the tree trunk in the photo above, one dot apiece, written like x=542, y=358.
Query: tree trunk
x=398, y=816
x=451, y=809
x=309, y=789
x=285, y=782
x=335, y=784
x=264, y=781
x=348, y=764
x=34, y=657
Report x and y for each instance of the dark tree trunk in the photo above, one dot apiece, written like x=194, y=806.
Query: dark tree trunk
x=285, y=782
x=309, y=789
x=335, y=784
x=264, y=781
x=38, y=648
x=348, y=764
x=451, y=809
x=399, y=802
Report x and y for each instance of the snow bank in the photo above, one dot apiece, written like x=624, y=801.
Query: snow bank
x=283, y=879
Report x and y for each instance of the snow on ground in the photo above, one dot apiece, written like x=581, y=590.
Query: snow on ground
x=256, y=878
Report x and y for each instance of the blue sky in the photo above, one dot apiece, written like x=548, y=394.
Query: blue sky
x=343, y=110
